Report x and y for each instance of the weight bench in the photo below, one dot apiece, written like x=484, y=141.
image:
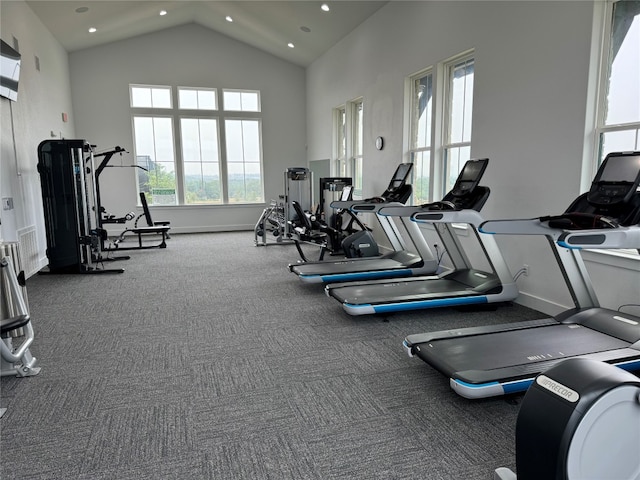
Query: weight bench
x=152, y=228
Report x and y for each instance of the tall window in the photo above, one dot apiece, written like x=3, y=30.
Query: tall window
x=153, y=137
x=213, y=157
x=349, y=143
x=201, y=160
x=357, y=147
x=243, y=161
x=618, y=125
x=340, y=135
x=421, y=145
x=440, y=125
x=459, y=104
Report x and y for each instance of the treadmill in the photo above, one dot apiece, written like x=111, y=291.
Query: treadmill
x=398, y=263
x=496, y=360
x=461, y=285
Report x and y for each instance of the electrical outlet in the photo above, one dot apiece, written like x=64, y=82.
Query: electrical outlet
x=7, y=203
x=525, y=270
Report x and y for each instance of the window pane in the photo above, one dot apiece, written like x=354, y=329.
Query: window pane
x=358, y=140
x=207, y=100
x=232, y=101
x=200, y=154
x=244, y=171
x=154, y=152
x=188, y=99
x=621, y=141
x=161, y=97
x=341, y=130
x=461, y=102
x=151, y=97
x=140, y=97
x=421, y=174
x=422, y=105
x=455, y=159
x=357, y=178
x=196, y=99
x=249, y=102
x=623, y=100
x=241, y=101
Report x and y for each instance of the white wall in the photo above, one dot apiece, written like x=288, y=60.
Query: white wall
x=532, y=67
x=42, y=98
x=192, y=56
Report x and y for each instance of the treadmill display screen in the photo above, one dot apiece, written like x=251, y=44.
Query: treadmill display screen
x=472, y=172
x=401, y=175
x=617, y=179
x=620, y=168
x=470, y=176
x=346, y=193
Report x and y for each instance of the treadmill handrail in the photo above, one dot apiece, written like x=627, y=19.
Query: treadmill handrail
x=601, y=238
x=407, y=210
x=615, y=238
x=361, y=206
x=470, y=217
x=529, y=226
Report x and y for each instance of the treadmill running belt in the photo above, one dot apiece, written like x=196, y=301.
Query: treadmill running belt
x=401, y=291
x=511, y=348
x=349, y=266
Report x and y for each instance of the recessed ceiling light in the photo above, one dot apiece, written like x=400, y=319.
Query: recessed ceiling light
x=93, y=30
x=163, y=13
x=290, y=45
x=82, y=9
x=305, y=29
x=228, y=18
x=325, y=7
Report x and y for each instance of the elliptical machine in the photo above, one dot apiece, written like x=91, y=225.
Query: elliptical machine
x=362, y=243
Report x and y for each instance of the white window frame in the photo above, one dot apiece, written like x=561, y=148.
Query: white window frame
x=340, y=139
x=348, y=142
x=601, y=128
x=447, y=143
x=440, y=123
x=176, y=113
x=414, y=149
x=355, y=152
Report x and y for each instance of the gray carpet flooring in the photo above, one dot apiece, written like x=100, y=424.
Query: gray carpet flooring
x=209, y=360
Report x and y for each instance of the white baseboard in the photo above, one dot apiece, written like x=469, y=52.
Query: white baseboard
x=540, y=304
x=198, y=229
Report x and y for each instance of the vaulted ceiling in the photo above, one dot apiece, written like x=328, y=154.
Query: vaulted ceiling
x=268, y=25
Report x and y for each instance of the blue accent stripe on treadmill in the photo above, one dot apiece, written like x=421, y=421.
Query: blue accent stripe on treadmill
x=507, y=387
x=481, y=230
x=440, y=302
x=348, y=277
x=475, y=385
x=517, y=386
x=566, y=245
x=629, y=366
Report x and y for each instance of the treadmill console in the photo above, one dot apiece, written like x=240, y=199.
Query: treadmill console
x=398, y=190
x=617, y=179
x=469, y=177
x=400, y=177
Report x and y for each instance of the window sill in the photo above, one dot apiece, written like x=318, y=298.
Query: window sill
x=614, y=258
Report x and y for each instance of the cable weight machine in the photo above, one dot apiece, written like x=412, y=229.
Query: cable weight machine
x=276, y=219
x=71, y=209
